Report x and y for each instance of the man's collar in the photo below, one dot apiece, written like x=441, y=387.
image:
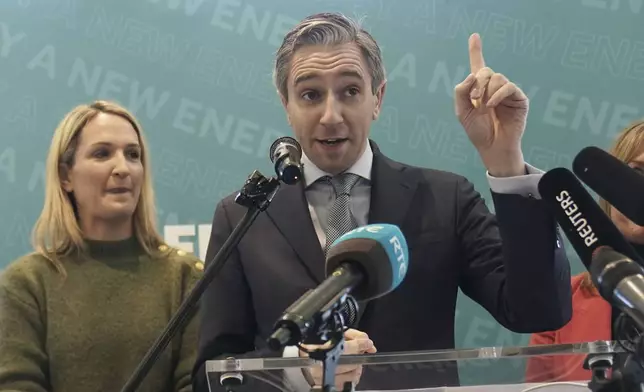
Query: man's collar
x=362, y=167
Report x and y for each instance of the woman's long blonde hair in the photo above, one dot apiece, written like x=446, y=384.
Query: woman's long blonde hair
x=57, y=233
x=626, y=147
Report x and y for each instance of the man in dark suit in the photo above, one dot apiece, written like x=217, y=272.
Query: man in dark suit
x=331, y=80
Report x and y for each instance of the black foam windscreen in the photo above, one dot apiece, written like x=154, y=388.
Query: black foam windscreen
x=581, y=219
x=371, y=258
x=613, y=180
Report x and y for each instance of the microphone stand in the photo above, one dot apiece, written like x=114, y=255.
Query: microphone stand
x=256, y=194
x=329, y=356
x=600, y=366
x=627, y=378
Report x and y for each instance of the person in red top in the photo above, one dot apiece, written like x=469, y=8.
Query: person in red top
x=591, y=320
x=592, y=317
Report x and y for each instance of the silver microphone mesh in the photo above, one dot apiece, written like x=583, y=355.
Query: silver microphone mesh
x=284, y=140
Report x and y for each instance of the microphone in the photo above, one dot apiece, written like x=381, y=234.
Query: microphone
x=285, y=154
x=367, y=262
x=620, y=281
x=613, y=180
x=584, y=223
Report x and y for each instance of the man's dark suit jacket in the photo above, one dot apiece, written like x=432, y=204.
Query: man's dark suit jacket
x=454, y=241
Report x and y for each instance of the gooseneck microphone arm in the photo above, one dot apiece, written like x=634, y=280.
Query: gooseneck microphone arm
x=256, y=194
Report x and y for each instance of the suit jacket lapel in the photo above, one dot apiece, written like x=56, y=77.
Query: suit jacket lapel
x=289, y=211
x=392, y=189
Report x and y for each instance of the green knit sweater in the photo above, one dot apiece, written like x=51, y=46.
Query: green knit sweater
x=87, y=332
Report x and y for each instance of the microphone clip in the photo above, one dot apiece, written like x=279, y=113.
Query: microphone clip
x=329, y=354
x=258, y=191
x=609, y=374
x=329, y=336
x=600, y=366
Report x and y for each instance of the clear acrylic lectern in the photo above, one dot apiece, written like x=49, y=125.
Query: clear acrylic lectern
x=501, y=369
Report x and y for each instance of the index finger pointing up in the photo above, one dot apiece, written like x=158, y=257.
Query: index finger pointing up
x=476, y=53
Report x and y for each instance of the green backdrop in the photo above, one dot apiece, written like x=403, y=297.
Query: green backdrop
x=197, y=73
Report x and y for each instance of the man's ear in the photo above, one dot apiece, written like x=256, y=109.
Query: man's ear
x=284, y=101
x=380, y=95
x=65, y=180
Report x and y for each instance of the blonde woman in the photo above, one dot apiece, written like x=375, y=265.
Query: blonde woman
x=592, y=318
x=81, y=311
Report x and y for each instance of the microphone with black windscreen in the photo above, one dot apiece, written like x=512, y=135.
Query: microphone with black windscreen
x=613, y=180
x=583, y=222
x=286, y=155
